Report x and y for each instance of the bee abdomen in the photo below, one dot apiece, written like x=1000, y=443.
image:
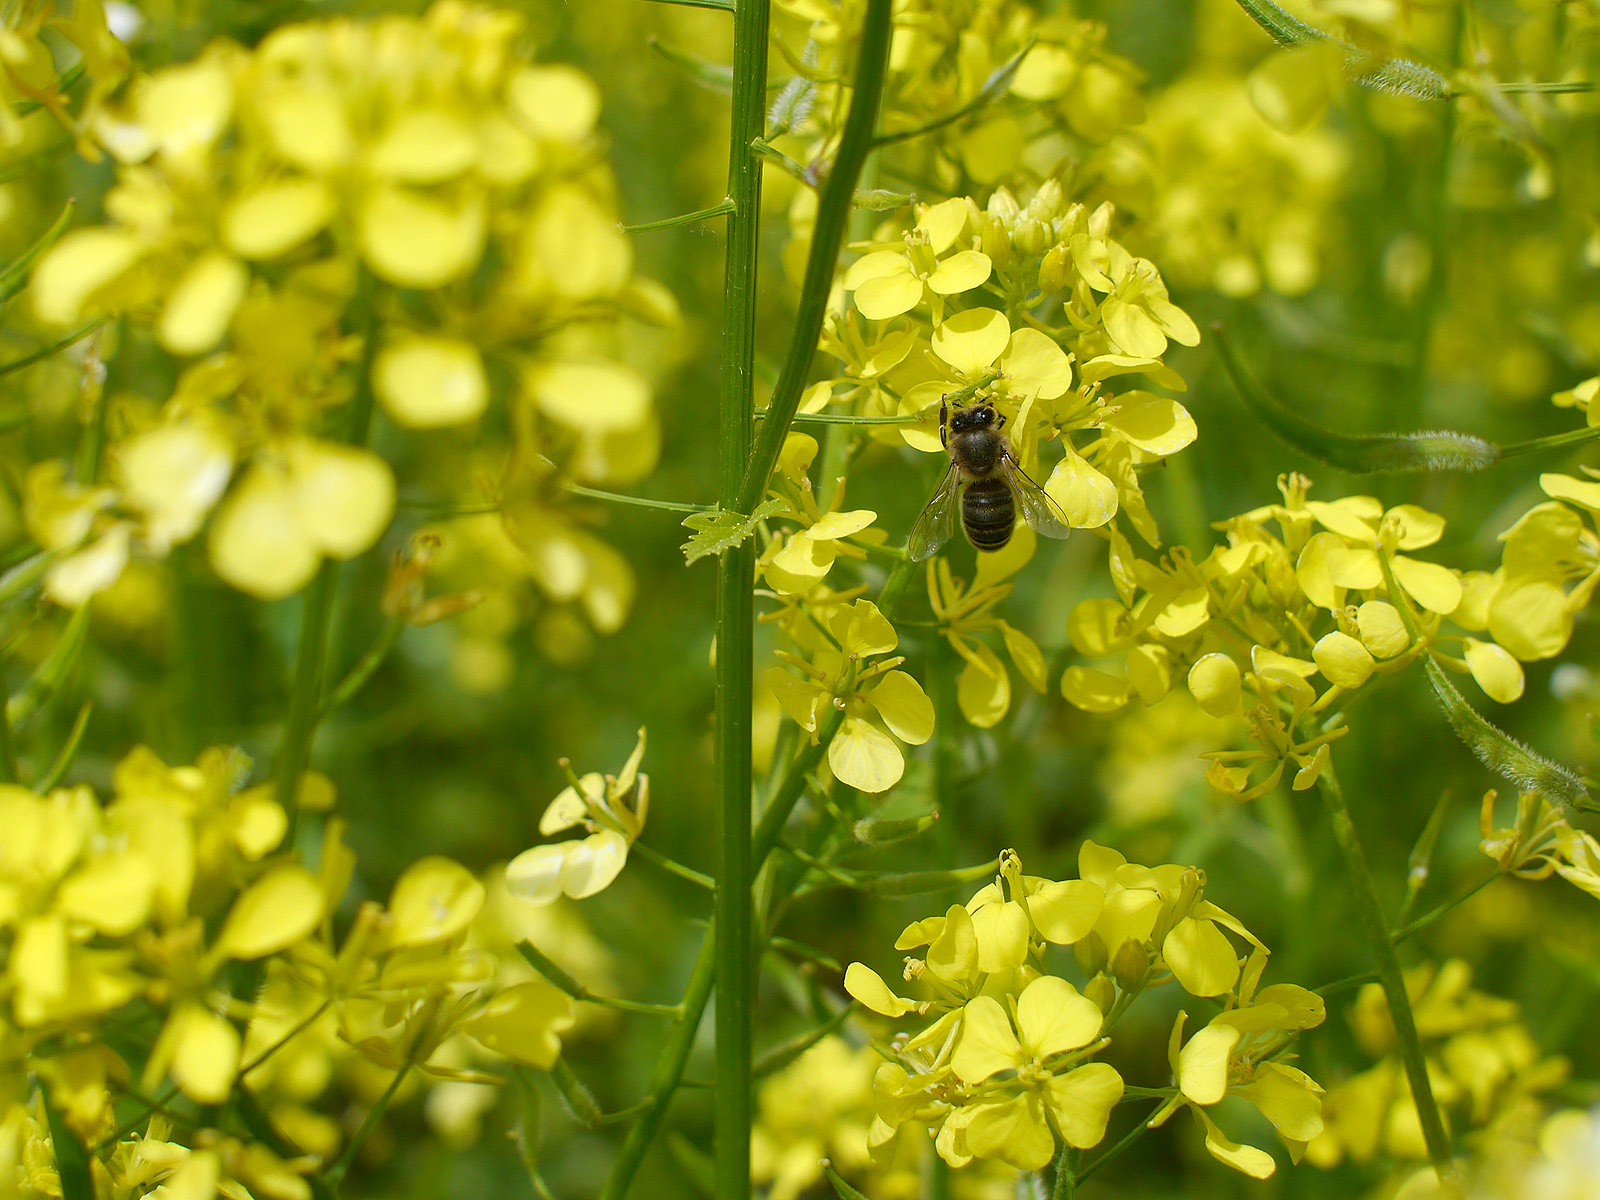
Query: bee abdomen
x=988, y=513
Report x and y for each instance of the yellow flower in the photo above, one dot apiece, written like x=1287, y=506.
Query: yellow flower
x=932, y=264
x=613, y=808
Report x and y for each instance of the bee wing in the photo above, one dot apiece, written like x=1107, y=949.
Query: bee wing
x=938, y=520
x=1038, y=510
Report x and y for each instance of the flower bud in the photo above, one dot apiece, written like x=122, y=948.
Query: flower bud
x=1004, y=205
x=1090, y=951
x=1102, y=991
x=1055, y=270
x=996, y=241
x=1031, y=237
x=1046, y=202
x=1130, y=964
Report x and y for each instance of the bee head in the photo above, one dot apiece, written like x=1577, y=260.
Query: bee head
x=981, y=415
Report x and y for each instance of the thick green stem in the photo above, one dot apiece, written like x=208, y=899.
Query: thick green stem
x=827, y=238
x=1389, y=975
x=735, y=669
x=316, y=613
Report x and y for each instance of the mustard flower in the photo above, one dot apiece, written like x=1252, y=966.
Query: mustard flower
x=863, y=754
x=932, y=263
x=983, y=690
x=612, y=807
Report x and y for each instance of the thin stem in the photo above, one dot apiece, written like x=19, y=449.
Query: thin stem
x=705, y=214
x=719, y=5
x=833, y=214
x=1433, y=914
x=1554, y=441
x=44, y=352
x=824, y=418
x=1127, y=1139
x=698, y=878
x=1062, y=1187
x=341, y=1165
x=1389, y=973
x=732, y=1105
x=368, y=663
x=69, y=751
x=589, y=493
x=316, y=613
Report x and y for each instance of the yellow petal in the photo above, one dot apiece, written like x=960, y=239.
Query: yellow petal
x=1033, y=365
x=424, y=145
x=972, y=341
x=1343, y=660
x=1287, y=1097
x=1150, y=671
x=590, y=396
x=111, y=893
x=884, y=296
x=277, y=217
x=953, y=951
x=869, y=989
x=1002, y=933
x=1257, y=1164
x=202, y=304
x=1025, y=654
x=257, y=542
x=524, y=1022
x=1086, y=497
x=435, y=899
x=1314, y=569
x=1201, y=958
x=1094, y=691
x=308, y=126
x=555, y=101
x=1382, y=630
x=1082, y=1101
x=875, y=266
x=273, y=913
x=1418, y=526
x=943, y=222
x=573, y=248
x=1214, y=681
x=72, y=580
x=987, y=1043
x=1066, y=911
x=75, y=269
x=862, y=756
x=983, y=691
x=1436, y=588
x=413, y=240
x=205, y=1054
x=1132, y=329
x=534, y=876
x=591, y=864
x=862, y=630
x=1153, y=423
x=426, y=382
x=1052, y=1016
x=1014, y=1131
x=184, y=109
x=904, y=707
x=1203, y=1063
x=344, y=495
x=1530, y=619
x=1497, y=672
x=961, y=272
x=835, y=525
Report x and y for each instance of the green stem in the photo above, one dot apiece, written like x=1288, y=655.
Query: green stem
x=575, y=489
x=732, y=1104
x=1389, y=974
x=705, y=214
x=341, y=1165
x=316, y=612
x=368, y=663
x=44, y=352
x=1553, y=442
x=833, y=214
x=1062, y=1187
x=1127, y=1139
x=1433, y=914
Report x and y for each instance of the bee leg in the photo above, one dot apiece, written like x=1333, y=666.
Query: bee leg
x=1000, y=421
x=944, y=423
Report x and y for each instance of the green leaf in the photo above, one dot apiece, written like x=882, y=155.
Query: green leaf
x=844, y=1190
x=15, y=274
x=718, y=531
x=1506, y=756
x=1397, y=76
x=1360, y=454
x=72, y=1160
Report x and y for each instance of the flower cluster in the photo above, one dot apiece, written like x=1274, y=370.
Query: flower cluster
x=148, y=905
x=399, y=210
x=1309, y=589
x=1541, y=842
x=1005, y=1064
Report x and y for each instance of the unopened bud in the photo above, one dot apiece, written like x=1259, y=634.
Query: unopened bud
x=1090, y=951
x=1046, y=202
x=996, y=241
x=1004, y=205
x=1130, y=964
x=1102, y=991
x=1031, y=237
x=880, y=831
x=442, y=608
x=1055, y=270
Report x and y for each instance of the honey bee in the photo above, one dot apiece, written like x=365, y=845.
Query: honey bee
x=991, y=485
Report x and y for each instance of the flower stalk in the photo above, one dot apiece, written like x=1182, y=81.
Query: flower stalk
x=1387, y=963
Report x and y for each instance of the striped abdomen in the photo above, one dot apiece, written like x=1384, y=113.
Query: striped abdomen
x=988, y=513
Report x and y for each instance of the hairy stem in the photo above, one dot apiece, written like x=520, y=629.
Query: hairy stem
x=1388, y=969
